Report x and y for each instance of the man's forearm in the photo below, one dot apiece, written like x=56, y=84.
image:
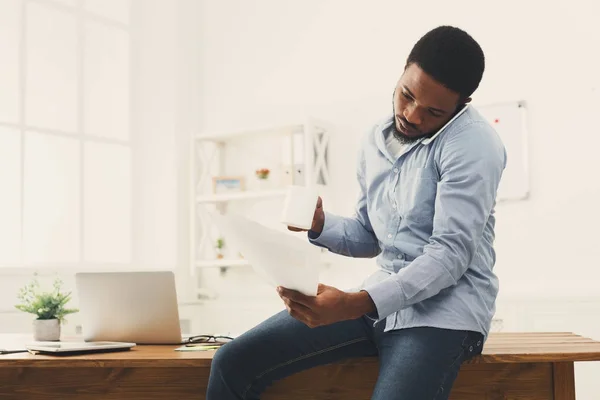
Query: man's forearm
x=346, y=236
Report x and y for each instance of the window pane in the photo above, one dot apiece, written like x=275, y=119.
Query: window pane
x=106, y=81
x=10, y=200
x=52, y=198
x=107, y=208
x=51, y=87
x=10, y=22
x=116, y=10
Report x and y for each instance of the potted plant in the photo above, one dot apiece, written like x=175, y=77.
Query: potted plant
x=262, y=175
x=220, y=245
x=49, y=307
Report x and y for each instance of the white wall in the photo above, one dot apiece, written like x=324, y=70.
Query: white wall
x=270, y=60
x=166, y=69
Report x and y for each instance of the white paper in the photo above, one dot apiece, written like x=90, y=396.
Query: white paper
x=281, y=259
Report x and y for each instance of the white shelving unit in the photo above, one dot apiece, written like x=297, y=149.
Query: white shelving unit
x=222, y=263
x=225, y=197
x=297, y=154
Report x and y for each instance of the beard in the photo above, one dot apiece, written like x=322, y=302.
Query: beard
x=405, y=139
x=401, y=137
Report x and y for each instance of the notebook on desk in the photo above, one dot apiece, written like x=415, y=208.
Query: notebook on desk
x=12, y=350
x=11, y=343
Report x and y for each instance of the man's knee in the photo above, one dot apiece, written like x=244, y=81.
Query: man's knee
x=227, y=379
x=223, y=361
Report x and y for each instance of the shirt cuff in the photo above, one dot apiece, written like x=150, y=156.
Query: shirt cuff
x=330, y=235
x=387, y=296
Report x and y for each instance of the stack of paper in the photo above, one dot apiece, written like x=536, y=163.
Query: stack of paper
x=283, y=260
x=199, y=347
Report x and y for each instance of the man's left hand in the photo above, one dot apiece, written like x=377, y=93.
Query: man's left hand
x=329, y=306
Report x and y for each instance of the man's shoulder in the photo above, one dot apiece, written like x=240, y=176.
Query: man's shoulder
x=471, y=118
x=472, y=127
x=472, y=138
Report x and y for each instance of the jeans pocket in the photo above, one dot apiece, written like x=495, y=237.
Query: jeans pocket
x=474, y=345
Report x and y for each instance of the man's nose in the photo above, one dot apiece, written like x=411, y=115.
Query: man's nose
x=412, y=115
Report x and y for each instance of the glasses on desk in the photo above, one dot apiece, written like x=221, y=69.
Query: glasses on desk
x=209, y=339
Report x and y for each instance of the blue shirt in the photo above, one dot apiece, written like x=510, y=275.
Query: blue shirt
x=428, y=217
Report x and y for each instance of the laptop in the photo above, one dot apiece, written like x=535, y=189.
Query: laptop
x=136, y=307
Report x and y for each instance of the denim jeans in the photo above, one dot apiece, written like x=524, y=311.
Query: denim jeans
x=414, y=363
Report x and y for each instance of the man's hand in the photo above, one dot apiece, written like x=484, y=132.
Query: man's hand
x=329, y=306
x=318, y=219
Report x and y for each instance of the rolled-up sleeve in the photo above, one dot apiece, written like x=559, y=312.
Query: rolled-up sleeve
x=471, y=163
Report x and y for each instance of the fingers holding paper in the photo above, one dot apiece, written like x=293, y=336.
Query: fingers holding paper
x=316, y=310
x=301, y=313
x=329, y=306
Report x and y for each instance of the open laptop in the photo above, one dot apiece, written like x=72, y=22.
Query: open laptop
x=137, y=307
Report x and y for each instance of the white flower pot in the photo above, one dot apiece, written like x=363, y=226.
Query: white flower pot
x=263, y=184
x=46, y=330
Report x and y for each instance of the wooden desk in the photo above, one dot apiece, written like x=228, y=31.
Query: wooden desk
x=516, y=366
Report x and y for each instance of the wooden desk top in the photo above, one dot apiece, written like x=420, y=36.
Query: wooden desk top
x=531, y=347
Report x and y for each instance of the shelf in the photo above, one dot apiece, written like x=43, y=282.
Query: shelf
x=326, y=258
x=238, y=262
x=270, y=131
x=222, y=197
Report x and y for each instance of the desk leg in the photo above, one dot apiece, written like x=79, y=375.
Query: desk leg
x=564, y=381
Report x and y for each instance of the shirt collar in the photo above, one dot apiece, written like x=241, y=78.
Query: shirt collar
x=388, y=122
x=380, y=138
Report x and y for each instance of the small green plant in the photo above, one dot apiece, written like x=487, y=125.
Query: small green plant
x=45, y=305
x=219, y=247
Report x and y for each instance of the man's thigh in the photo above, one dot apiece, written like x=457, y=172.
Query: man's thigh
x=422, y=363
x=282, y=346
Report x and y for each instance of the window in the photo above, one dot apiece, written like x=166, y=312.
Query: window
x=65, y=145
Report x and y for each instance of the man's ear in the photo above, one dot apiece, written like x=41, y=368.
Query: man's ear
x=467, y=100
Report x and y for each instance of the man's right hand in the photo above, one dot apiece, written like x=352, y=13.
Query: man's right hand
x=318, y=219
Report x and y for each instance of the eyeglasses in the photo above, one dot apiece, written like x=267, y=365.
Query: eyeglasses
x=209, y=339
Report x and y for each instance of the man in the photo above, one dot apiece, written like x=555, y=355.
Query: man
x=428, y=179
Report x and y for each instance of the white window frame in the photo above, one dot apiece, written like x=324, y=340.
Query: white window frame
x=22, y=127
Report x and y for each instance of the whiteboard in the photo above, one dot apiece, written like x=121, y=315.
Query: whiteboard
x=509, y=120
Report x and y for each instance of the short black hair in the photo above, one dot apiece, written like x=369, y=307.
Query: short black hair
x=452, y=57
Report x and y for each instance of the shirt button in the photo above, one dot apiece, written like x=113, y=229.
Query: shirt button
x=389, y=235
x=395, y=170
x=394, y=206
x=401, y=256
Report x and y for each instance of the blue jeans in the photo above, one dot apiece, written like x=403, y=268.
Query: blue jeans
x=414, y=364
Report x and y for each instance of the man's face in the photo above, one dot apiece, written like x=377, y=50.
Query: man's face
x=422, y=105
